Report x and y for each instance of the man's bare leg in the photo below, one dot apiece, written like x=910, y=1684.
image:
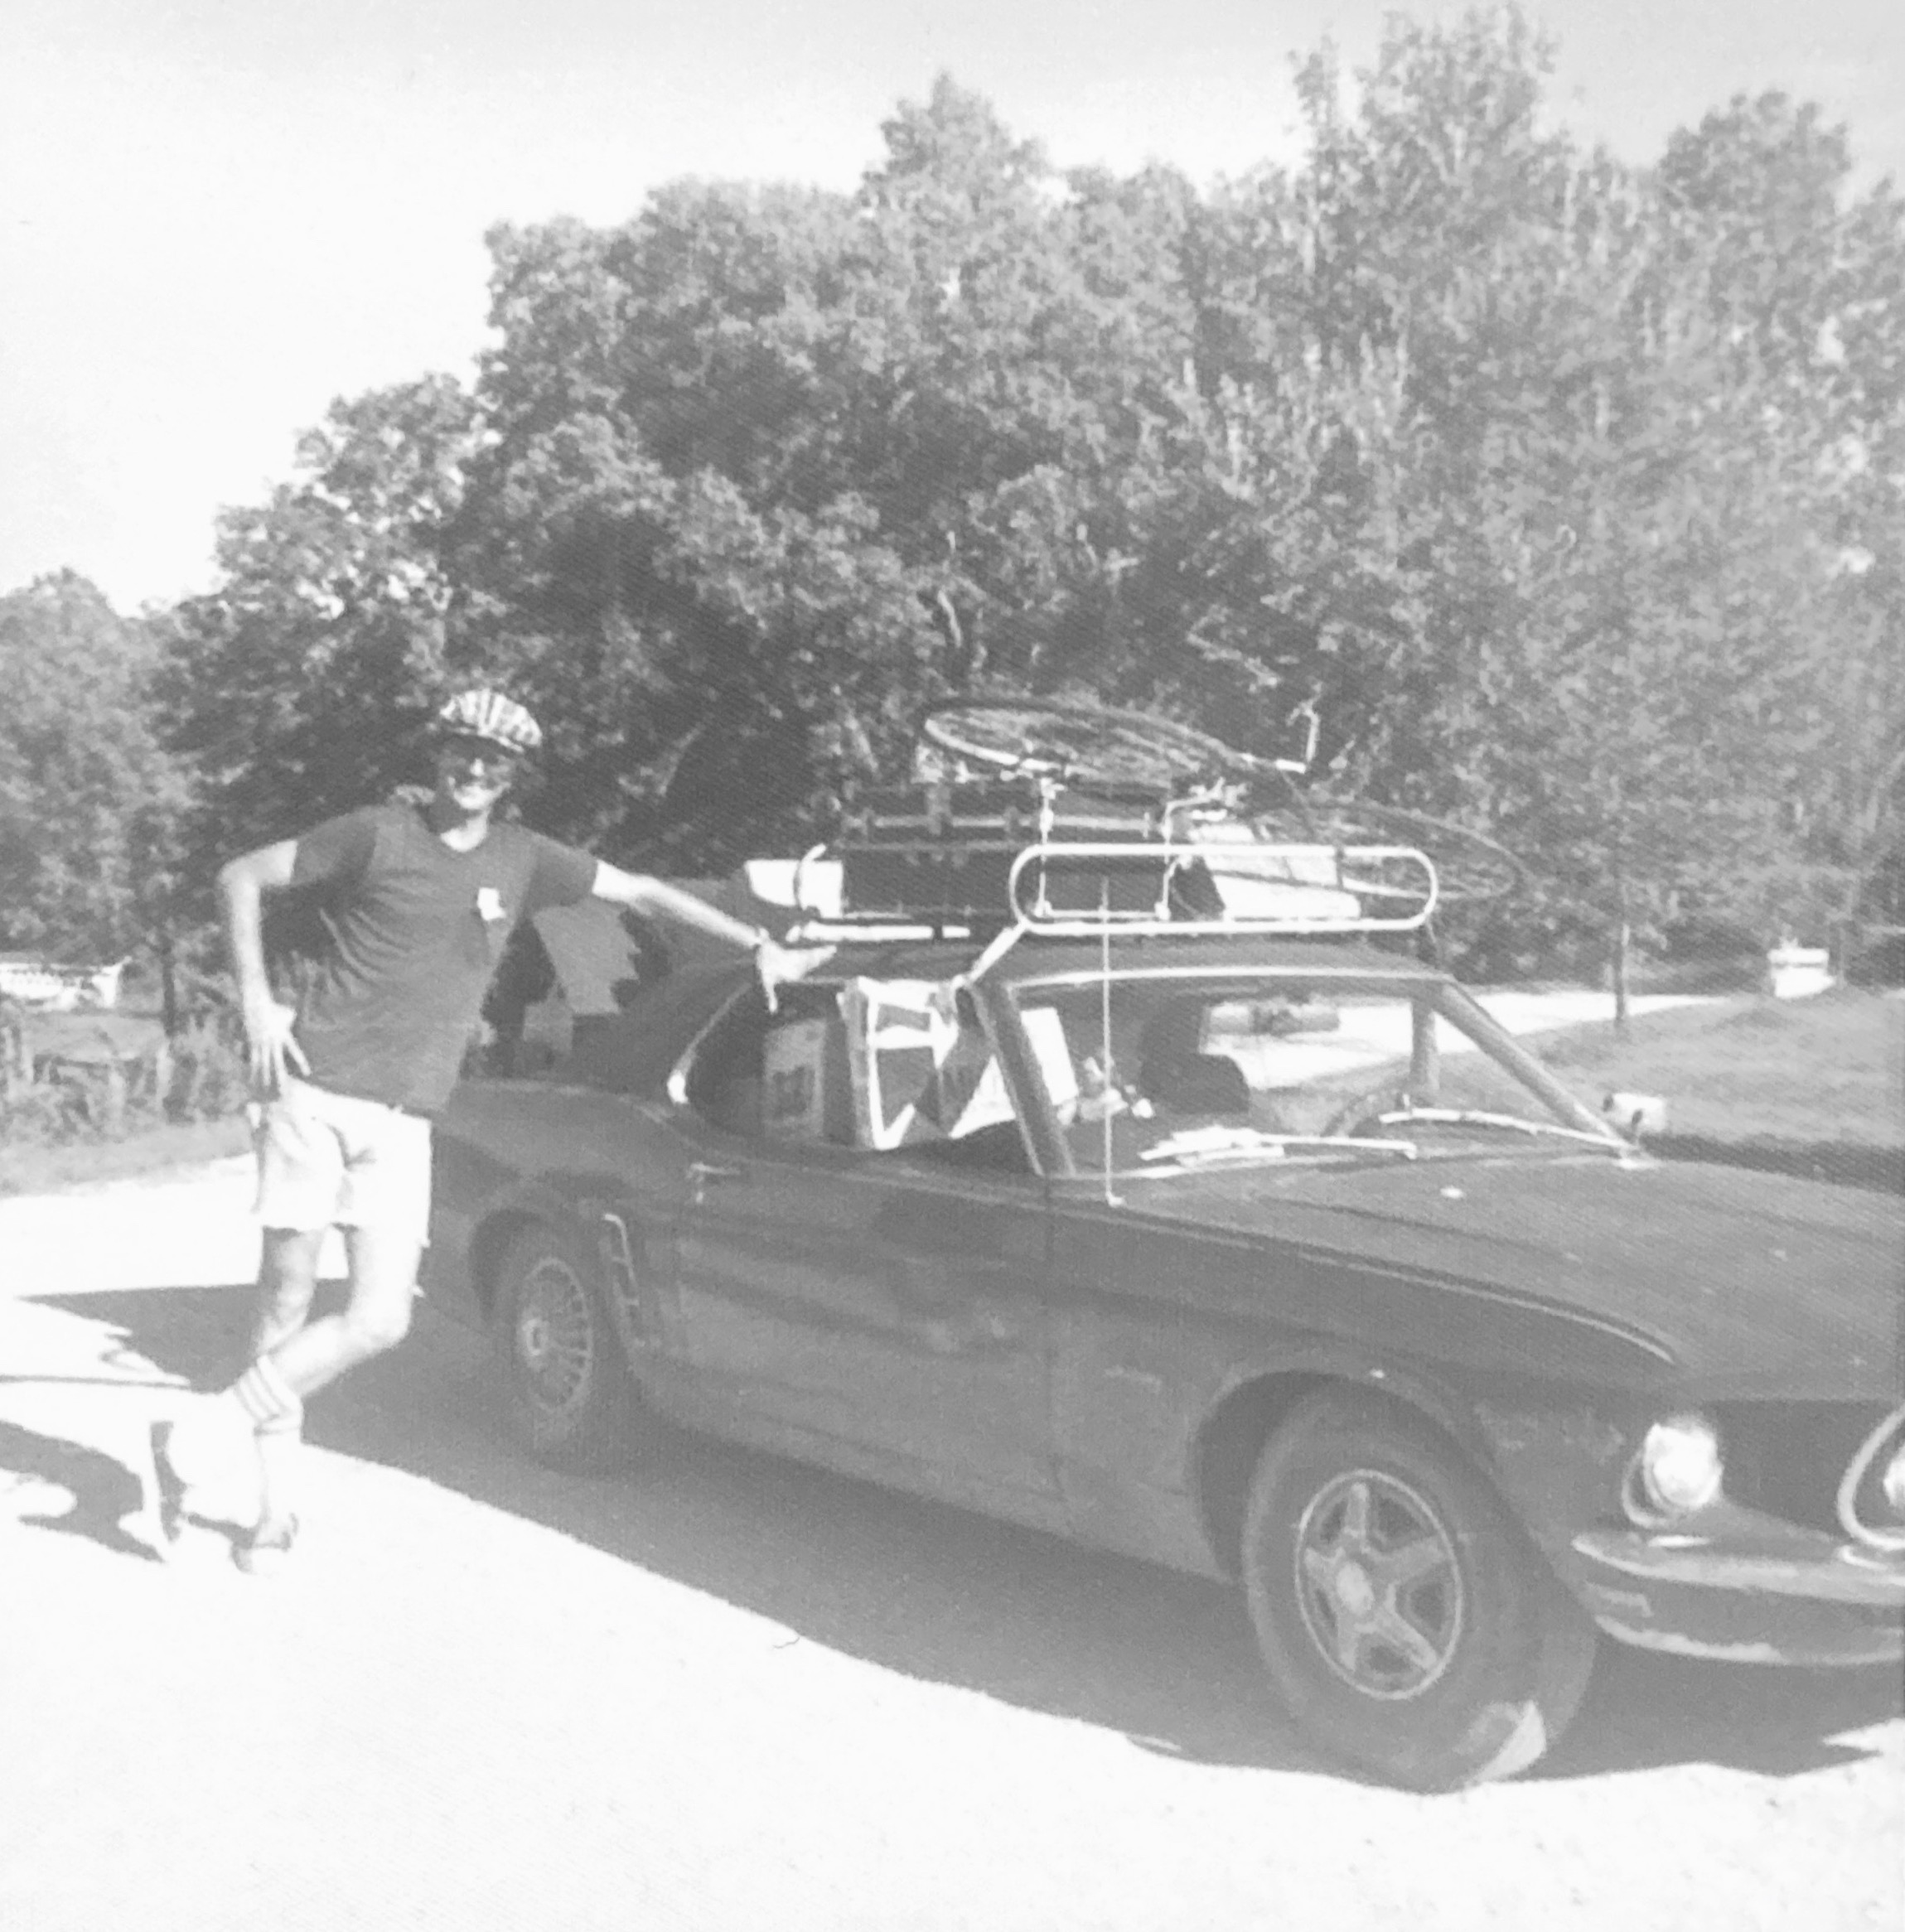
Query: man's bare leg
x=215, y=1436
x=376, y=1317
x=267, y=1401
x=287, y=1283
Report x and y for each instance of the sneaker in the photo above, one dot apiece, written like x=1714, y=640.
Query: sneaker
x=268, y=1550
x=210, y=1442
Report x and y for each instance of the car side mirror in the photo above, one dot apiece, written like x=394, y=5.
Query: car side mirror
x=1636, y=1115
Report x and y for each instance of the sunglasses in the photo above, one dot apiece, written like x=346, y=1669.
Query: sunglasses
x=493, y=758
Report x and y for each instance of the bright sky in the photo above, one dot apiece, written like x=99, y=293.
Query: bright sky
x=218, y=215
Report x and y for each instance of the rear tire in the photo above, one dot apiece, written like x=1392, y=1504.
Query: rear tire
x=1405, y=1620
x=567, y=1391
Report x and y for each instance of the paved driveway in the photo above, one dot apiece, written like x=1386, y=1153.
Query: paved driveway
x=721, y=1692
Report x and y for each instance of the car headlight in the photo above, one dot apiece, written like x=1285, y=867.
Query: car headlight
x=1679, y=1465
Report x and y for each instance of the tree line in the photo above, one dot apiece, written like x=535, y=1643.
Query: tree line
x=1569, y=490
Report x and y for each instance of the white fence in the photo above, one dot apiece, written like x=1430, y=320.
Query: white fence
x=37, y=983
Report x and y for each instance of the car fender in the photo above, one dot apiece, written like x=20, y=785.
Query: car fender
x=1541, y=1460
x=1407, y=1383
x=602, y=1220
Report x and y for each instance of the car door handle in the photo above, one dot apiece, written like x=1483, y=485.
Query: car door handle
x=703, y=1174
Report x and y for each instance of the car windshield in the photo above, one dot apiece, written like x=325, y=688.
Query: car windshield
x=1163, y=1074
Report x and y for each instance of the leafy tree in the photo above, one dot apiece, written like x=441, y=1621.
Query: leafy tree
x=708, y=618
x=1598, y=469
x=1810, y=291
x=801, y=462
x=1628, y=567
x=298, y=687
x=89, y=802
x=1569, y=489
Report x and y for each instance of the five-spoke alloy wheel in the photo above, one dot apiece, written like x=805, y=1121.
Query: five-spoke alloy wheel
x=1379, y=1584
x=1405, y=1620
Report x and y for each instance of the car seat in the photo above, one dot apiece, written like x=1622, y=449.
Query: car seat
x=1199, y=1083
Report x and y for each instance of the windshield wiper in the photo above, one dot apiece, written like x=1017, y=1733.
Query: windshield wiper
x=1205, y=1146
x=1476, y=1117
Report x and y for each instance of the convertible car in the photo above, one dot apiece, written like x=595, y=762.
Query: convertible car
x=1264, y=1253
x=1127, y=1171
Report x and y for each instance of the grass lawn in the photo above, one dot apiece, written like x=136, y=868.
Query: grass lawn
x=42, y=1169
x=1745, y=1069
x=93, y=1034
x=1750, y=1068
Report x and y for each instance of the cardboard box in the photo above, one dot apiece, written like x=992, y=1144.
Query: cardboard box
x=806, y=1090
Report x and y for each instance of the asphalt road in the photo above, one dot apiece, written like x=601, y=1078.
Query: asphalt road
x=718, y=1691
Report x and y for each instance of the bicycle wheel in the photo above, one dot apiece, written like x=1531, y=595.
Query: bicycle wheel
x=1078, y=743
x=1470, y=868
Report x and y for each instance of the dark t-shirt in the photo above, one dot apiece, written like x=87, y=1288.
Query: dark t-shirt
x=387, y=969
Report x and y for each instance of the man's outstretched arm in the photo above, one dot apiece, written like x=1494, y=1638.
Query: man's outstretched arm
x=271, y=1050
x=776, y=963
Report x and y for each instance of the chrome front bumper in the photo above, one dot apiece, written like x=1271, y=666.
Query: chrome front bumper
x=1749, y=1588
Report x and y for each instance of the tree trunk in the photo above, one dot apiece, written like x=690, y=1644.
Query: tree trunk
x=168, y=987
x=16, y=1063
x=1623, y=939
x=163, y=1069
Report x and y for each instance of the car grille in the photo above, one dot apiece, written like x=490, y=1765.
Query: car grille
x=1788, y=1459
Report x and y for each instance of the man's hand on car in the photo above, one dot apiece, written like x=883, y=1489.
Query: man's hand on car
x=779, y=965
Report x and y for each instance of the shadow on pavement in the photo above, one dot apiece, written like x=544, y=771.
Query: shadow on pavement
x=103, y=1489
x=1645, y=1711
x=929, y=1591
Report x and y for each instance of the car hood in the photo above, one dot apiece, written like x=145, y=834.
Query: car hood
x=1756, y=1283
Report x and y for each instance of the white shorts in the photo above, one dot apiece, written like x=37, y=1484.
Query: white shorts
x=331, y=1160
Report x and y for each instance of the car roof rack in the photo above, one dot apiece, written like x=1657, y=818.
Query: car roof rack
x=1196, y=887
x=1215, y=884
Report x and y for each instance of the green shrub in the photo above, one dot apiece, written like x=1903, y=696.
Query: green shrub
x=62, y=1098
x=206, y=1079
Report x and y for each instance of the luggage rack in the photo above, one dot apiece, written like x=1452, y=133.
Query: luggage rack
x=1199, y=887
x=1323, y=889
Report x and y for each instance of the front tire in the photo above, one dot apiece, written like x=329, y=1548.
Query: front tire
x=1406, y=1621
x=566, y=1387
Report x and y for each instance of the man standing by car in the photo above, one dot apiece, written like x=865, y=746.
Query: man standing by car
x=413, y=905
